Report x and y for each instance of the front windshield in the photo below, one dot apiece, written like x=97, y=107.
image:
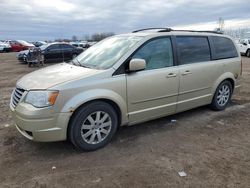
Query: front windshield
x=106, y=53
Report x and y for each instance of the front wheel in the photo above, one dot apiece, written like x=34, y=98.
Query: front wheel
x=93, y=126
x=74, y=56
x=222, y=96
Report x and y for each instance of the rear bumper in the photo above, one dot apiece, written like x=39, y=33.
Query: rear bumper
x=46, y=128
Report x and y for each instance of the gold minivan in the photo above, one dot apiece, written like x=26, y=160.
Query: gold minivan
x=125, y=80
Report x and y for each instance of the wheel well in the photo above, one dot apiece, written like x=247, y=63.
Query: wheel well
x=231, y=81
x=112, y=103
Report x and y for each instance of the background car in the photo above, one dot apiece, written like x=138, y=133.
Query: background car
x=54, y=52
x=83, y=45
x=4, y=47
x=19, y=45
x=22, y=55
x=244, y=47
x=92, y=43
x=39, y=43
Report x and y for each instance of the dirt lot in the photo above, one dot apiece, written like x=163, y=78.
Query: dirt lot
x=213, y=148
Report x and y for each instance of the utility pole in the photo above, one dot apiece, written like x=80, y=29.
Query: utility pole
x=221, y=24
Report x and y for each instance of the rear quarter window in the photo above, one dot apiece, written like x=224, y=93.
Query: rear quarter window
x=223, y=48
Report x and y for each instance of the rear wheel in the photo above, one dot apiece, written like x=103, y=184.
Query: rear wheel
x=93, y=126
x=222, y=96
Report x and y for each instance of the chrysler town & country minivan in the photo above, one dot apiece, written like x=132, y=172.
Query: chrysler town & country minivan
x=124, y=80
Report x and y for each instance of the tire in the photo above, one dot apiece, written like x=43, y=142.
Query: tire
x=88, y=133
x=248, y=53
x=222, y=96
x=74, y=56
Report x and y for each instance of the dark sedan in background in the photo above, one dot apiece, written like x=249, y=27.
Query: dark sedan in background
x=54, y=52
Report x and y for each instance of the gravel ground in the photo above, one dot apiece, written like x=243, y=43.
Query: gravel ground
x=212, y=148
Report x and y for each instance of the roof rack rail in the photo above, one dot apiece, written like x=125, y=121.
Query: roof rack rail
x=159, y=30
x=216, y=32
x=153, y=28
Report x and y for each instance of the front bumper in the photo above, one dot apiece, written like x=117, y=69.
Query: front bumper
x=22, y=58
x=40, y=124
x=7, y=49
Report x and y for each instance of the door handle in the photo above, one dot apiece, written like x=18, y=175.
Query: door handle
x=171, y=75
x=186, y=72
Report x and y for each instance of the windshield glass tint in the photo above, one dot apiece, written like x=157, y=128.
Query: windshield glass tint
x=106, y=53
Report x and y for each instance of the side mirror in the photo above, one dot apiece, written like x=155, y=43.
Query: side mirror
x=137, y=65
x=245, y=43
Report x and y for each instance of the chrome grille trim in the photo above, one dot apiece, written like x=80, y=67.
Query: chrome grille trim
x=16, y=96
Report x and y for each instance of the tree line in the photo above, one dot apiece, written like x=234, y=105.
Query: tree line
x=94, y=37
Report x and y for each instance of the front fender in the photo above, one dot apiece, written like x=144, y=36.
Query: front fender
x=86, y=96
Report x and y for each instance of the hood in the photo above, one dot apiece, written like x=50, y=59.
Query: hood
x=24, y=52
x=50, y=76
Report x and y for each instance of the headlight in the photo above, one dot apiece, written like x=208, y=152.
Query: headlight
x=41, y=98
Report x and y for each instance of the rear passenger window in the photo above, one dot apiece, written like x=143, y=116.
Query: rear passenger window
x=193, y=49
x=54, y=47
x=223, y=48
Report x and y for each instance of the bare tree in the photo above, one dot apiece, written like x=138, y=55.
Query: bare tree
x=238, y=32
x=74, y=38
x=86, y=37
x=100, y=36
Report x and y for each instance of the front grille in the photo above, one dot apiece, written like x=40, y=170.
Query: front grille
x=16, y=96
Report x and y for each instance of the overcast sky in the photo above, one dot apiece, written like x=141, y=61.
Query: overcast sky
x=50, y=19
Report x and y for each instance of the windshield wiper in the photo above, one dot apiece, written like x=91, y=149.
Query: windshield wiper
x=76, y=62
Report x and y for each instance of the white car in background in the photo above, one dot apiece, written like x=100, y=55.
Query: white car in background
x=4, y=47
x=244, y=47
x=80, y=44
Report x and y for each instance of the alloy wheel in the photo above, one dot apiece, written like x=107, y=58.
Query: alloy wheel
x=223, y=95
x=96, y=127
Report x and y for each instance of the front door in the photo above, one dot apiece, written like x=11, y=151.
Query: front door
x=54, y=53
x=67, y=51
x=153, y=92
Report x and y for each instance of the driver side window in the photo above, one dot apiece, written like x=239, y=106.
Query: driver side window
x=157, y=53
